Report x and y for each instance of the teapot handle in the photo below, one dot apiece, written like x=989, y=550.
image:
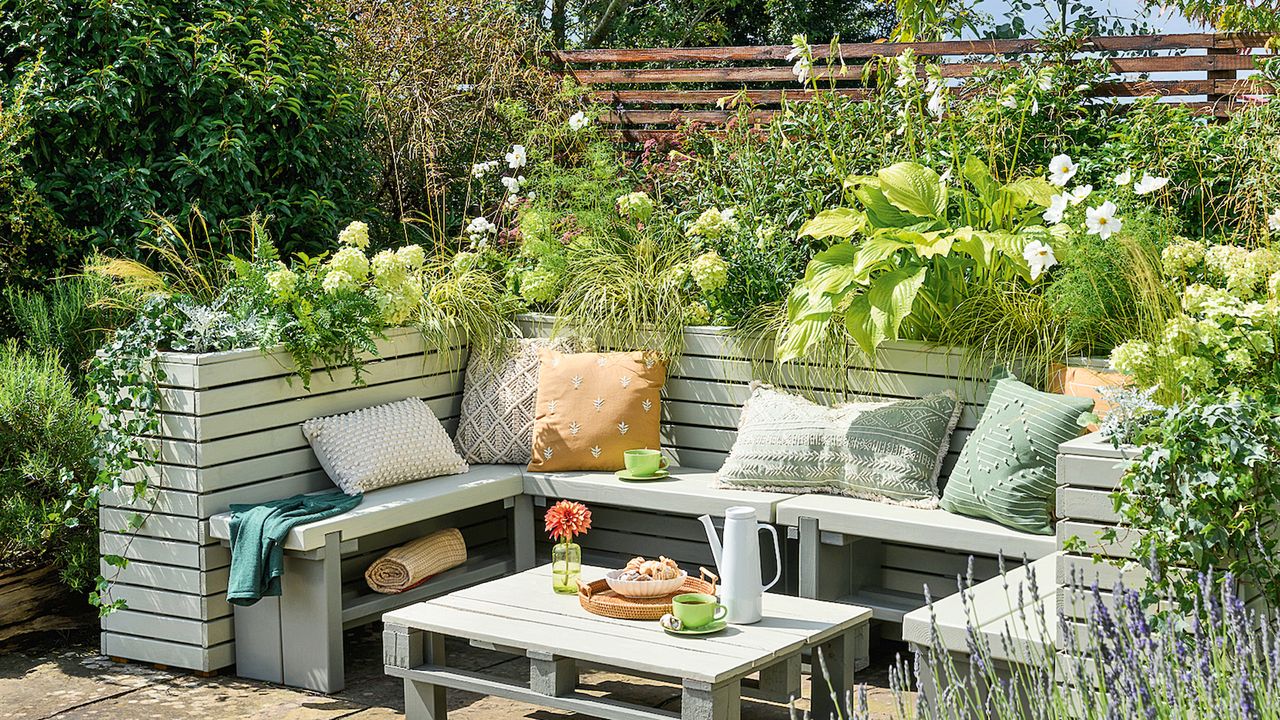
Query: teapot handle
x=777, y=553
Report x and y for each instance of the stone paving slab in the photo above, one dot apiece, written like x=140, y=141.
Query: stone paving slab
x=65, y=677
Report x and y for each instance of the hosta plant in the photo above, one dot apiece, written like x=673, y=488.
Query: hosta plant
x=908, y=247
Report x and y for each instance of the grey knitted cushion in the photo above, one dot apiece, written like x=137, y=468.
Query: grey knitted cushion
x=889, y=451
x=382, y=446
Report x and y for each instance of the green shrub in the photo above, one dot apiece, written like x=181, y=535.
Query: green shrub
x=151, y=106
x=69, y=317
x=46, y=467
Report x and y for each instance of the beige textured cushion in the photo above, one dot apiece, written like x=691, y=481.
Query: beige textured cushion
x=497, y=403
x=594, y=406
x=382, y=446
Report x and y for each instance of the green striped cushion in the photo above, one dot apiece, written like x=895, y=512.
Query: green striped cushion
x=1006, y=471
x=889, y=451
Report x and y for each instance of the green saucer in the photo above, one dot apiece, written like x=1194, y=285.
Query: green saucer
x=627, y=475
x=714, y=626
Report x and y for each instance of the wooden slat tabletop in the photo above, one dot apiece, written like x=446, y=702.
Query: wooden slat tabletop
x=522, y=611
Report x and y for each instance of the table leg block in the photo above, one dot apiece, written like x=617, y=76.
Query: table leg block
x=552, y=676
x=704, y=701
x=781, y=682
x=833, y=675
x=422, y=701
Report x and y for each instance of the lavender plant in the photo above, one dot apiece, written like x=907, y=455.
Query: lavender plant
x=1223, y=662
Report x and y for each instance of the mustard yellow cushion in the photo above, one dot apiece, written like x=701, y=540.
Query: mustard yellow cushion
x=592, y=407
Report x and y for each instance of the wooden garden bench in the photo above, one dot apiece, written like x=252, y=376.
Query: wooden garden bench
x=880, y=556
x=296, y=639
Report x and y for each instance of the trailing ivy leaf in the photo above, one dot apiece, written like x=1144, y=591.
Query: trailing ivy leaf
x=916, y=189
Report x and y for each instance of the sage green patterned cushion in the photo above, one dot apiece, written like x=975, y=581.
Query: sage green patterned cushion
x=888, y=451
x=1006, y=471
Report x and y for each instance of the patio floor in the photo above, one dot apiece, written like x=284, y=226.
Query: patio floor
x=65, y=677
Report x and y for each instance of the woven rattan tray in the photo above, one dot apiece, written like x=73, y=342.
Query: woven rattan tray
x=596, y=597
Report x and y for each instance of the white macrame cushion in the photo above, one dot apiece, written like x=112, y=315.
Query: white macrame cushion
x=382, y=446
x=499, y=396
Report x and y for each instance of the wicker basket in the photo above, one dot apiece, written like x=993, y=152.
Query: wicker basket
x=596, y=597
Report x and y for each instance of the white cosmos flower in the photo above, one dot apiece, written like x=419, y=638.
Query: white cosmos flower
x=1080, y=194
x=517, y=158
x=1102, y=220
x=1149, y=184
x=1124, y=178
x=1057, y=206
x=1039, y=257
x=578, y=121
x=1061, y=170
x=1273, y=221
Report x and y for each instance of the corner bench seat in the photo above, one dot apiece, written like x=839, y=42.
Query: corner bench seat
x=881, y=556
x=687, y=491
x=400, y=505
x=933, y=527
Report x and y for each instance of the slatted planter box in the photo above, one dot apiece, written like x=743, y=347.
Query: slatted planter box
x=1089, y=472
x=230, y=434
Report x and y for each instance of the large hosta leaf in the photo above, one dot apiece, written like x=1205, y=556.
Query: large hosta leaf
x=832, y=271
x=914, y=188
x=807, y=318
x=881, y=214
x=876, y=315
x=837, y=222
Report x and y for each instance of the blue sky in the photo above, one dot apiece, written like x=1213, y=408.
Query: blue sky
x=1166, y=22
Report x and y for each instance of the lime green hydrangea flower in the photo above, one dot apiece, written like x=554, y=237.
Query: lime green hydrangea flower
x=710, y=271
x=697, y=314
x=1181, y=257
x=412, y=257
x=637, y=205
x=350, y=260
x=713, y=224
x=1132, y=357
x=355, y=235
x=336, y=280
x=539, y=285
x=282, y=282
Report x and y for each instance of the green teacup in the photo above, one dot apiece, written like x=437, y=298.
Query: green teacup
x=642, y=463
x=695, y=610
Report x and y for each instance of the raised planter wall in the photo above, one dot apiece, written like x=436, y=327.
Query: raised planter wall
x=230, y=434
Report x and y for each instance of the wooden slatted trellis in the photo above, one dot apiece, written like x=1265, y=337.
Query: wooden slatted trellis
x=650, y=91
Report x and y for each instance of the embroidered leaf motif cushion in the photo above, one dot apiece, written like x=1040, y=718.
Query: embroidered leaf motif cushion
x=1007, y=469
x=592, y=407
x=889, y=451
x=498, y=399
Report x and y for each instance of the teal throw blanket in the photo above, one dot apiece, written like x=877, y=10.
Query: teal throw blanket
x=257, y=540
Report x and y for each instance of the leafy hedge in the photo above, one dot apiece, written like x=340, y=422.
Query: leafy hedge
x=148, y=106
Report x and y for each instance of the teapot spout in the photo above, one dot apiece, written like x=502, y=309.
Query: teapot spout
x=713, y=539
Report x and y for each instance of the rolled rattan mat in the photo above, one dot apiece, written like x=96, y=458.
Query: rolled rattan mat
x=410, y=565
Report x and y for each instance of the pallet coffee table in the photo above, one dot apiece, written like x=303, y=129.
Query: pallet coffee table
x=520, y=614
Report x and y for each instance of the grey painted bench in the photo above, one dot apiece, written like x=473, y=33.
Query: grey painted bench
x=882, y=556
x=296, y=639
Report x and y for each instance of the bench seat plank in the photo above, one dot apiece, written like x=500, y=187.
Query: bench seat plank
x=931, y=527
x=389, y=508
x=688, y=491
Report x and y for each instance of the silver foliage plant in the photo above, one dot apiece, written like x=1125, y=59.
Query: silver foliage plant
x=1222, y=661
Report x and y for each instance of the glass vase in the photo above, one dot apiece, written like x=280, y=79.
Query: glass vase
x=566, y=566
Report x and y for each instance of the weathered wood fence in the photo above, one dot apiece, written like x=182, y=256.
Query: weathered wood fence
x=650, y=91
